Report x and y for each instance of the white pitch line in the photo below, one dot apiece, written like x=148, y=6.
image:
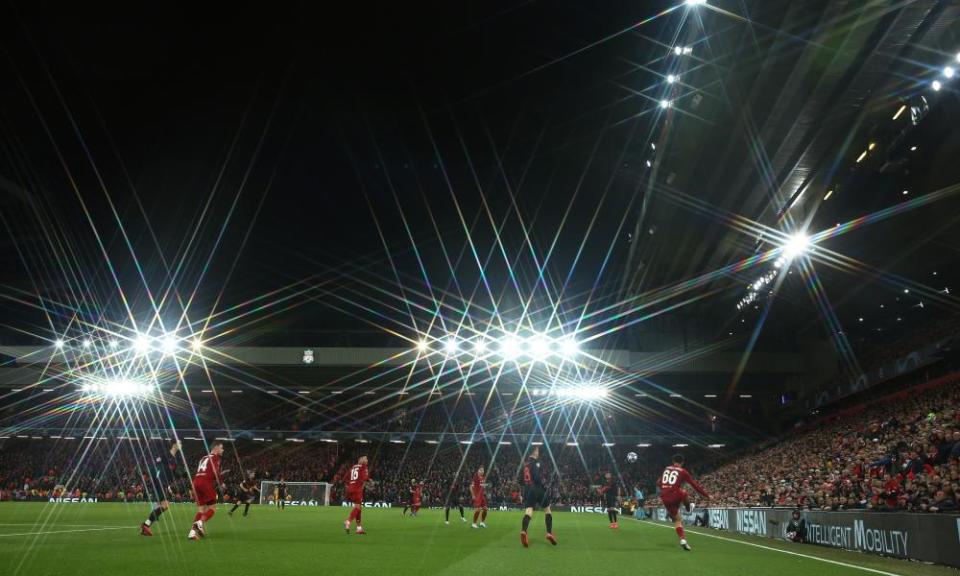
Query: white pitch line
x=65, y=531
x=59, y=524
x=745, y=543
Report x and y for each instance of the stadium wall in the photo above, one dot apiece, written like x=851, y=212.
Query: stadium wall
x=924, y=537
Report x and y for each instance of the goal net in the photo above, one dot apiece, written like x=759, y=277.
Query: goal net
x=298, y=493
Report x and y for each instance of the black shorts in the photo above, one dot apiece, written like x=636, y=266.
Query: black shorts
x=454, y=499
x=159, y=488
x=535, y=497
x=610, y=501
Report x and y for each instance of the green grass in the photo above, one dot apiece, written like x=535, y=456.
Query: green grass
x=104, y=541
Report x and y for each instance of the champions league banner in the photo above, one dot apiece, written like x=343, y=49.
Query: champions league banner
x=924, y=537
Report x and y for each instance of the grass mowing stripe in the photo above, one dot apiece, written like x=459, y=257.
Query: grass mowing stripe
x=755, y=545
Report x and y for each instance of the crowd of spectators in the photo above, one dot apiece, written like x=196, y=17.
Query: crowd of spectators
x=115, y=469
x=897, y=453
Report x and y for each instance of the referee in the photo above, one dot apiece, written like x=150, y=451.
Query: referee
x=162, y=475
x=535, y=496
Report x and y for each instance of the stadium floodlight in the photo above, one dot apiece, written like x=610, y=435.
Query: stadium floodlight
x=117, y=387
x=114, y=344
x=422, y=346
x=678, y=50
x=539, y=347
x=480, y=346
x=87, y=343
x=59, y=343
x=569, y=347
x=584, y=393
x=948, y=72
x=796, y=245
x=169, y=345
x=670, y=80
x=451, y=346
x=695, y=2
x=142, y=343
x=510, y=348
x=664, y=104
x=936, y=85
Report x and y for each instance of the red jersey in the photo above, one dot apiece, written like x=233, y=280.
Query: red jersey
x=358, y=476
x=416, y=492
x=477, y=483
x=209, y=469
x=672, y=480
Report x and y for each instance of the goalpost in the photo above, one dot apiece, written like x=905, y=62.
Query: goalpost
x=298, y=493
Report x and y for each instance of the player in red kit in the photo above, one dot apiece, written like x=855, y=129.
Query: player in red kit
x=356, y=478
x=205, y=483
x=416, y=498
x=479, y=499
x=673, y=495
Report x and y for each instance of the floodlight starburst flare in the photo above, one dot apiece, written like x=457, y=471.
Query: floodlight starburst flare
x=796, y=245
x=141, y=344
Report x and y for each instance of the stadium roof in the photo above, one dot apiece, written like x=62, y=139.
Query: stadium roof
x=284, y=180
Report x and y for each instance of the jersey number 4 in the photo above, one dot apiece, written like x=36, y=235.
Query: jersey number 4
x=669, y=477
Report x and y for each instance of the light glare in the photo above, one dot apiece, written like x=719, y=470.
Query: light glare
x=142, y=344
x=796, y=245
x=169, y=345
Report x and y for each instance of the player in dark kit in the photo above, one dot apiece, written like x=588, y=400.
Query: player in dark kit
x=454, y=499
x=535, y=496
x=247, y=489
x=611, y=492
x=161, y=478
x=205, y=483
x=673, y=495
x=282, y=494
x=479, y=499
x=356, y=478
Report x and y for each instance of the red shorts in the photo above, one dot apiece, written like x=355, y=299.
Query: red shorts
x=480, y=501
x=206, y=494
x=673, y=501
x=355, y=495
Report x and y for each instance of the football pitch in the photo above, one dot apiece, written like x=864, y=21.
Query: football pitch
x=103, y=540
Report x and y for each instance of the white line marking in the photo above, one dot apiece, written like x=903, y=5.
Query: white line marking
x=65, y=531
x=59, y=524
x=837, y=562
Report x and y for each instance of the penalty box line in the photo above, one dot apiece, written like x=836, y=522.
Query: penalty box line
x=790, y=552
